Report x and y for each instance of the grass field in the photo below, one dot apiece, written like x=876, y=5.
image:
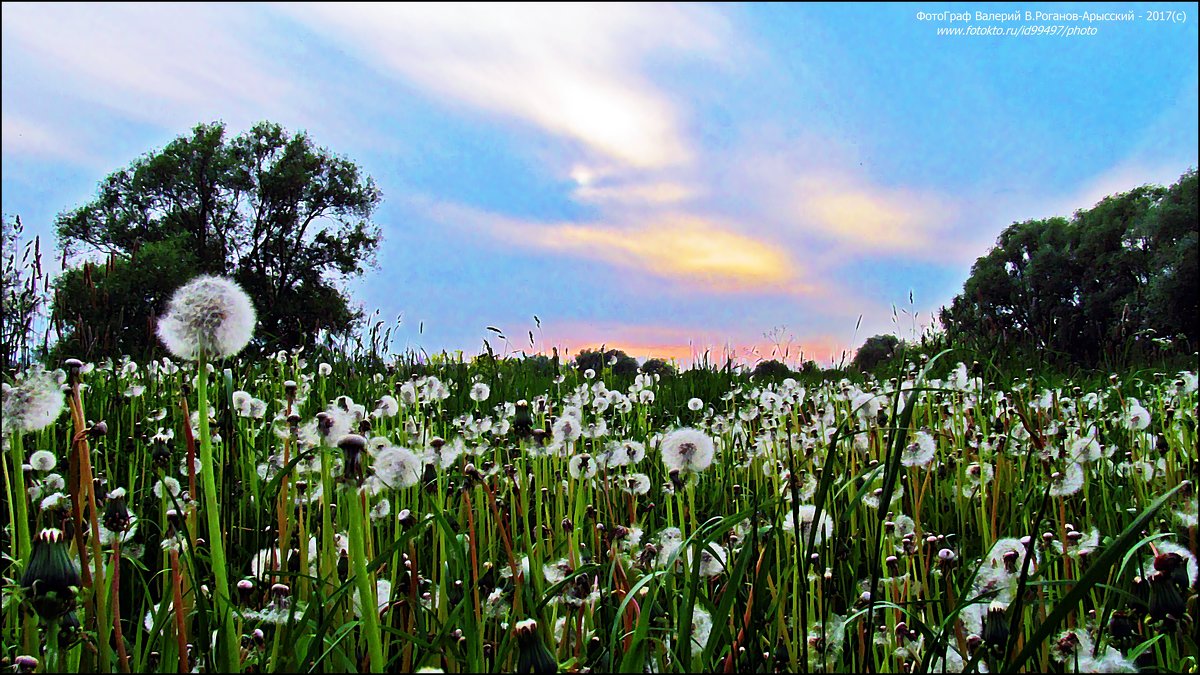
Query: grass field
x=503, y=518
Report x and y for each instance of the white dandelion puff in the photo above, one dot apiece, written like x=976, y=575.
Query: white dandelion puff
x=687, y=450
x=808, y=514
x=43, y=460
x=208, y=315
x=480, y=392
x=920, y=452
x=1067, y=482
x=397, y=468
x=34, y=403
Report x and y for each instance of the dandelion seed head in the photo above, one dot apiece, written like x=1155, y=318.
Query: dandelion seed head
x=397, y=467
x=1067, y=482
x=687, y=450
x=920, y=452
x=34, y=403
x=480, y=392
x=43, y=460
x=208, y=315
x=808, y=514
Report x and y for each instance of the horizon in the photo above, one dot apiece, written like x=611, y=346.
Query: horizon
x=757, y=177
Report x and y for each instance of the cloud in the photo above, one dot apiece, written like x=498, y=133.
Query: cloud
x=688, y=344
x=698, y=253
x=853, y=210
x=636, y=194
x=572, y=71
x=23, y=136
x=162, y=64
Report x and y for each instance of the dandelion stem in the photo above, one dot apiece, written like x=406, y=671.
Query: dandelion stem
x=366, y=585
x=177, y=601
x=228, y=654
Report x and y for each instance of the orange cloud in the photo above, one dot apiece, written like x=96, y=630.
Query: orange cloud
x=855, y=211
x=688, y=248
x=698, y=252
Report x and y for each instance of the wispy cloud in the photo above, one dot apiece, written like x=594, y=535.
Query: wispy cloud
x=849, y=209
x=701, y=253
x=571, y=70
x=169, y=65
x=30, y=138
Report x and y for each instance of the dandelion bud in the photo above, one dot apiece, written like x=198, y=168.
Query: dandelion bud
x=98, y=429
x=1047, y=537
x=50, y=580
x=947, y=557
x=473, y=475
x=116, y=515
x=245, y=588
x=893, y=564
x=995, y=626
x=973, y=643
x=532, y=654
x=364, y=426
x=567, y=525
x=815, y=558
x=25, y=663
x=1122, y=627
x=353, y=445
x=437, y=442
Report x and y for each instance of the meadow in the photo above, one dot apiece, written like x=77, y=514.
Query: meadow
x=501, y=515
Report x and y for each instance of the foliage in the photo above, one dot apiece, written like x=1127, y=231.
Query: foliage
x=771, y=369
x=876, y=350
x=1119, y=277
x=658, y=367
x=287, y=220
x=596, y=360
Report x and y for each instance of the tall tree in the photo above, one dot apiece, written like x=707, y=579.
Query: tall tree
x=1084, y=288
x=876, y=350
x=286, y=219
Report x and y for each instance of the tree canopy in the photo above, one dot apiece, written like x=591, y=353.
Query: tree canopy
x=620, y=362
x=1087, y=286
x=287, y=220
x=876, y=350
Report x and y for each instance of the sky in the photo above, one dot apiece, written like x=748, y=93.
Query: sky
x=767, y=180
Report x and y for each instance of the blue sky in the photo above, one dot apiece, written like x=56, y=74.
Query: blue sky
x=665, y=178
